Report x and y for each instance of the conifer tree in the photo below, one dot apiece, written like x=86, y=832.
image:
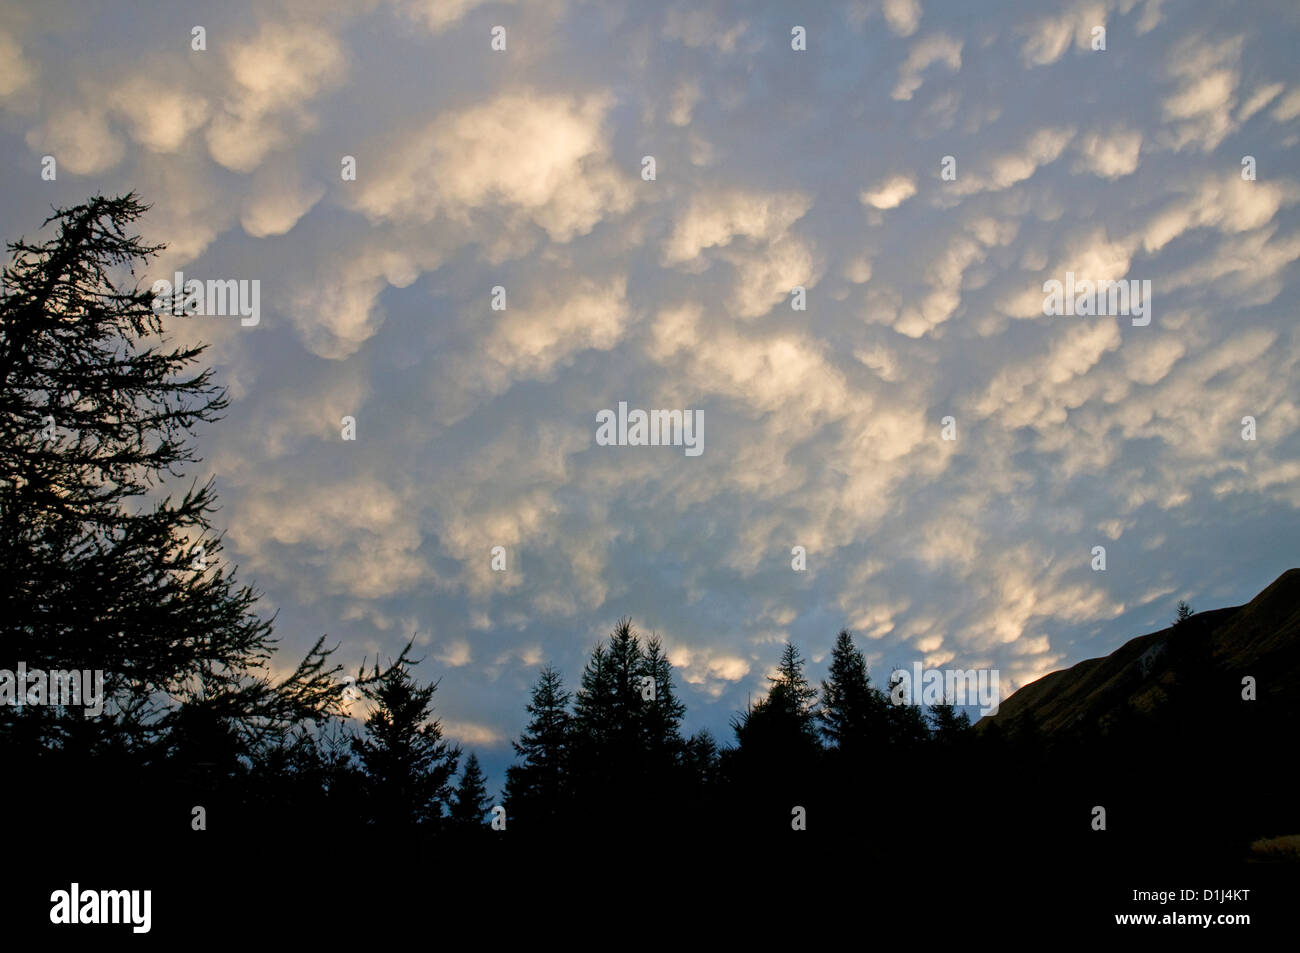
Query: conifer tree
x=408, y=766
x=949, y=727
x=103, y=570
x=661, y=714
x=608, y=712
x=783, y=724
x=537, y=787
x=852, y=710
x=701, y=760
x=470, y=802
x=791, y=689
x=906, y=724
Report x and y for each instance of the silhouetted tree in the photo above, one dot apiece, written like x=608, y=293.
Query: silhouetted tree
x=470, y=802
x=95, y=411
x=907, y=727
x=700, y=761
x=537, y=787
x=786, y=717
x=852, y=710
x=408, y=766
x=661, y=713
x=607, y=719
x=949, y=727
x=774, y=764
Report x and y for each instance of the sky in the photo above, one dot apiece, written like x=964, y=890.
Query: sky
x=919, y=169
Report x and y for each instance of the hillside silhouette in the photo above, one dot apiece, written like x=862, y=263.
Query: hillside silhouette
x=1192, y=665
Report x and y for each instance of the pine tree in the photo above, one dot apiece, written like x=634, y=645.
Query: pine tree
x=101, y=571
x=607, y=717
x=791, y=690
x=537, y=787
x=661, y=714
x=594, y=706
x=906, y=725
x=783, y=724
x=470, y=803
x=949, y=727
x=852, y=710
x=777, y=760
x=701, y=760
x=408, y=765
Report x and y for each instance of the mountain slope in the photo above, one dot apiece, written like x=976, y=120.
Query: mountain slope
x=1194, y=668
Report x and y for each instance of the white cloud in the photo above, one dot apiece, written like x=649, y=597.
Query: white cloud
x=162, y=116
x=80, y=140
x=1112, y=154
x=272, y=78
x=935, y=48
x=542, y=159
x=717, y=217
x=891, y=193
x=903, y=16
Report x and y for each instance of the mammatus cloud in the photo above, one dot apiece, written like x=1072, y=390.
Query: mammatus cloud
x=841, y=249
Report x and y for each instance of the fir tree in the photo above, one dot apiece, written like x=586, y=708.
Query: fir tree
x=906, y=725
x=661, y=714
x=607, y=715
x=852, y=710
x=790, y=689
x=783, y=724
x=949, y=727
x=408, y=766
x=537, y=787
x=701, y=761
x=470, y=803
x=103, y=571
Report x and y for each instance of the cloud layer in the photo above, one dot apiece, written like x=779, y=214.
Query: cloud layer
x=822, y=170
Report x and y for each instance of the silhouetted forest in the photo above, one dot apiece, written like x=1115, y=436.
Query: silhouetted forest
x=103, y=570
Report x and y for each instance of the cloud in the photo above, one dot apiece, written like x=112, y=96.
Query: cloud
x=539, y=158
x=1112, y=154
x=699, y=27
x=935, y=48
x=717, y=217
x=161, y=116
x=15, y=69
x=336, y=309
x=1226, y=202
x=1041, y=148
x=272, y=78
x=1288, y=107
x=80, y=140
x=1199, y=111
x=891, y=193
x=533, y=339
x=279, y=199
x=903, y=16
x=1048, y=37
x=473, y=734
x=437, y=15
